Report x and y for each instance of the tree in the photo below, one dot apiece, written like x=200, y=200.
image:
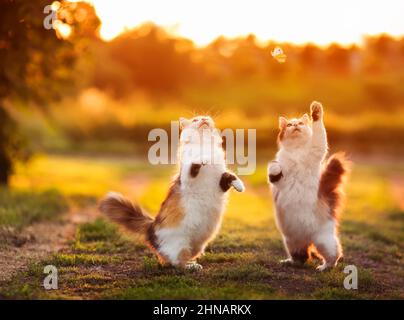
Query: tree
x=35, y=62
x=154, y=60
x=338, y=60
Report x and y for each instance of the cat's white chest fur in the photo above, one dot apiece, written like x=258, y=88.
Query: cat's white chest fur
x=203, y=203
x=296, y=196
x=201, y=197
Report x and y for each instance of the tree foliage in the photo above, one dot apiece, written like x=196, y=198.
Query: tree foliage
x=35, y=62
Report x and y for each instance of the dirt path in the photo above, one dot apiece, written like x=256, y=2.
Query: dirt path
x=35, y=242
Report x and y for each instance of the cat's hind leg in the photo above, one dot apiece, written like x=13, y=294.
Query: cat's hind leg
x=174, y=247
x=186, y=260
x=298, y=252
x=328, y=246
x=193, y=265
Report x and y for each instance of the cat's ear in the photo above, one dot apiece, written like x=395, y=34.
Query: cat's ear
x=282, y=122
x=184, y=122
x=306, y=118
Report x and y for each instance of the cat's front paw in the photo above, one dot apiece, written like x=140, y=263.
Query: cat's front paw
x=274, y=168
x=274, y=172
x=316, y=109
x=238, y=185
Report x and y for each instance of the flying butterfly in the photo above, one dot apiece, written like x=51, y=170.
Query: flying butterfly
x=278, y=55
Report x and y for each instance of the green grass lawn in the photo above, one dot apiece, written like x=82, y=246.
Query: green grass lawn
x=241, y=263
x=21, y=208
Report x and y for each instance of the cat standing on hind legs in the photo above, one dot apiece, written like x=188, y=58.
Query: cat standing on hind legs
x=191, y=214
x=308, y=193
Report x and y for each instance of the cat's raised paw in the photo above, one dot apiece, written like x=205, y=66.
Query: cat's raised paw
x=316, y=110
x=274, y=168
x=238, y=185
x=274, y=172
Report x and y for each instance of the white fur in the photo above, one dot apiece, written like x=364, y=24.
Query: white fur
x=238, y=185
x=202, y=200
x=114, y=195
x=296, y=193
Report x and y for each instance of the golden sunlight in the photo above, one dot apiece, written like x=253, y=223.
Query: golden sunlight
x=63, y=30
x=318, y=21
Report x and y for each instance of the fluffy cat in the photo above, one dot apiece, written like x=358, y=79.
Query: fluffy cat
x=307, y=192
x=191, y=214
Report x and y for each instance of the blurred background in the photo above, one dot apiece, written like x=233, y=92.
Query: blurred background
x=106, y=73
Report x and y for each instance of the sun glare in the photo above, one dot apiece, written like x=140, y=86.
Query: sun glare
x=63, y=30
x=318, y=21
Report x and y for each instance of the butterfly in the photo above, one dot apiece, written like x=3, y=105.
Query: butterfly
x=278, y=55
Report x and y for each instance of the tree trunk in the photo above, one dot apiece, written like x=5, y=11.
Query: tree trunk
x=5, y=169
x=5, y=161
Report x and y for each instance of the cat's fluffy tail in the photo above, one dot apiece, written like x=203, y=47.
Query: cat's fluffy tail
x=332, y=181
x=124, y=212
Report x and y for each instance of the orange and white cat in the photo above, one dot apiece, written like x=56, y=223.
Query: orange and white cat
x=307, y=192
x=191, y=214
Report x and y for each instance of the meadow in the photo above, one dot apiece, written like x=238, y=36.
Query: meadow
x=100, y=261
x=74, y=124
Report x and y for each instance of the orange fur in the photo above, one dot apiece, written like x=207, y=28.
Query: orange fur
x=332, y=182
x=171, y=213
x=185, y=256
x=125, y=213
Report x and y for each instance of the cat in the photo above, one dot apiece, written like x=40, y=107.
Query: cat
x=307, y=192
x=191, y=214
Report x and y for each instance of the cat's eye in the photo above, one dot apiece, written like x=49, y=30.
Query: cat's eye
x=195, y=120
x=300, y=123
x=289, y=125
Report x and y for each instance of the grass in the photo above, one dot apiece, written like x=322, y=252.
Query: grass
x=96, y=231
x=21, y=208
x=98, y=237
x=66, y=260
x=241, y=263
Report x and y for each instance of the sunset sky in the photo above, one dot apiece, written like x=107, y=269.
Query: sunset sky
x=319, y=21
